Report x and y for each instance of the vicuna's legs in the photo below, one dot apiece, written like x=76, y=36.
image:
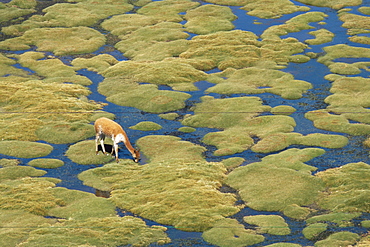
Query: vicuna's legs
x=115, y=145
x=99, y=137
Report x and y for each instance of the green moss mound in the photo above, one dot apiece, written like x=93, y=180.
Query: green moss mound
x=84, y=153
x=239, y=49
x=347, y=188
x=61, y=133
x=186, y=129
x=313, y=230
x=33, y=195
x=224, y=113
x=146, y=126
x=339, y=239
x=16, y=225
x=167, y=10
x=230, y=141
x=209, y=19
x=341, y=219
x=172, y=174
x=14, y=172
x=108, y=231
x=97, y=63
x=148, y=98
x=321, y=36
x=266, y=9
x=271, y=224
x=334, y=4
x=283, y=110
x=80, y=205
x=178, y=199
x=9, y=162
x=169, y=116
x=229, y=232
x=46, y=163
x=61, y=41
x=36, y=97
x=345, y=51
x=279, y=141
x=163, y=148
x=287, y=181
x=260, y=80
x=163, y=72
x=24, y=149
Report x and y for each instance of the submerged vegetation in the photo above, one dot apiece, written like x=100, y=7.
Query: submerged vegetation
x=174, y=48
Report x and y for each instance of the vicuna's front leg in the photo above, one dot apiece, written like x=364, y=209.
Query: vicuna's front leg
x=115, y=150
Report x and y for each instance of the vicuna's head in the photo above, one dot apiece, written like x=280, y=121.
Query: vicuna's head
x=136, y=155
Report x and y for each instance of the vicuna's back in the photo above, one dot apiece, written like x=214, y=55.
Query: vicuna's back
x=108, y=127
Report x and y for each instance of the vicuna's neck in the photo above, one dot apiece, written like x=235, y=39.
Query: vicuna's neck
x=123, y=137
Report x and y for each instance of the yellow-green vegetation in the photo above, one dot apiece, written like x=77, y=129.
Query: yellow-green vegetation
x=230, y=141
x=53, y=69
x=178, y=187
x=138, y=43
x=341, y=219
x=345, y=51
x=287, y=180
x=83, y=13
x=239, y=49
x=97, y=63
x=271, y=224
x=295, y=24
x=347, y=188
x=9, y=162
x=313, y=230
x=230, y=233
x=339, y=239
x=348, y=102
x=356, y=24
x=322, y=119
x=64, y=132
x=167, y=10
x=321, y=36
x=164, y=148
x=255, y=80
x=33, y=195
x=7, y=69
x=225, y=113
x=121, y=25
x=15, y=9
x=267, y=9
x=279, y=141
x=209, y=19
x=14, y=172
x=146, y=97
x=146, y=126
x=46, y=163
x=284, y=245
x=61, y=41
x=169, y=116
x=233, y=162
x=16, y=225
x=164, y=72
x=24, y=149
x=79, y=205
x=283, y=110
x=334, y=4
x=297, y=212
x=31, y=104
x=84, y=153
x=108, y=231
x=364, y=241
x=186, y=129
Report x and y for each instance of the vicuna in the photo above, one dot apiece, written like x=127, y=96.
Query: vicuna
x=106, y=127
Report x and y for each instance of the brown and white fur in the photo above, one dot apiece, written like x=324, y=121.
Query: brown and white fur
x=106, y=127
